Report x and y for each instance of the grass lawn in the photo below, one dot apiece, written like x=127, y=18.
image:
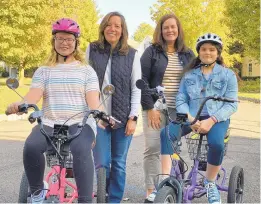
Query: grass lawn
x=250, y=95
x=8, y=96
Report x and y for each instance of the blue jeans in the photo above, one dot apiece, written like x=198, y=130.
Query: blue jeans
x=111, y=151
x=215, y=138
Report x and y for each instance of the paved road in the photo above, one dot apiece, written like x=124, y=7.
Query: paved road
x=244, y=150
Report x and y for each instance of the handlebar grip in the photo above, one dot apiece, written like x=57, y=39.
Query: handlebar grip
x=226, y=99
x=115, y=120
x=230, y=100
x=23, y=108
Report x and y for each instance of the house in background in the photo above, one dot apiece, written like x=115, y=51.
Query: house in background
x=250, y=68
x=13, y=72
x=133, y=43
x=144, y=44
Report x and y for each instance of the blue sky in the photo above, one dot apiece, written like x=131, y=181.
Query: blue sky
x=134, y=11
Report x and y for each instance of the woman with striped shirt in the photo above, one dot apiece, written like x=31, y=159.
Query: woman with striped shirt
x=162, y=64
x=67, y=86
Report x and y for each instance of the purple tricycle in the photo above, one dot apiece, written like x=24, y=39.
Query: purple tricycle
x=177, y=188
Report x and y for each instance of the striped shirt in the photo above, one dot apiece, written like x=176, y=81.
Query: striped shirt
x=64, y=91
x=172, y=78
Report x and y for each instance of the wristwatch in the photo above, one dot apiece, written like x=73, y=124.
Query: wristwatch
x=134, y=118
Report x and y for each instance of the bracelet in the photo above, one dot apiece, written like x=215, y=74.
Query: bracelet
x=214, y=119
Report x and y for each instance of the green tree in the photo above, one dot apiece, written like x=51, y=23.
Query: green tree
x=198, y=17
x=142, y=31
x=243, y=19
x=25, y=29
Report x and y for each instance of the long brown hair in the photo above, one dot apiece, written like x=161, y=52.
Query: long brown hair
x=160, y=42
x=123, y=42
x=77, y=54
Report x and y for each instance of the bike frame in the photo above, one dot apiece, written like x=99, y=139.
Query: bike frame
x=58, y=184
x=193, y=188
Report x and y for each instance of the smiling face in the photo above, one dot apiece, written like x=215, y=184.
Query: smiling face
x=170, y=30
x=208, y=53
x=64, y=43
x=113, y=30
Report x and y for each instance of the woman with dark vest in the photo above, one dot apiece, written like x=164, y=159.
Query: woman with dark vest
x=115, y=62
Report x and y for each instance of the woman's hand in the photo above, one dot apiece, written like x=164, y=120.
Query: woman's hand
x=93, y=143
x=130, y=127
x=101, y=124
x=205, y=126
x=154, y=119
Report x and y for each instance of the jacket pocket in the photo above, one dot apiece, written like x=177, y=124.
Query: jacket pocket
x=191, y=87
x=218, y=84
x=218, y=87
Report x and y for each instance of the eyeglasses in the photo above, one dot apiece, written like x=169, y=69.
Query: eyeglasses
x=67, y=40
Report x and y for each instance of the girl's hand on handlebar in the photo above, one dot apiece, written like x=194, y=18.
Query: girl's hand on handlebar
x=13, y=108
x=195, y=126
x=205, y=126
x=154, y=119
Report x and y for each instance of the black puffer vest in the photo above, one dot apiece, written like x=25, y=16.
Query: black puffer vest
x=121, y=70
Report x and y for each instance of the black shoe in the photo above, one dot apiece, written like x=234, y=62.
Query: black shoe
x=147, y=201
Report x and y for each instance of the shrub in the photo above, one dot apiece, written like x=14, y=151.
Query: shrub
x=2, y=70
x=5, y=74
x=249, y=86
x=30, y=72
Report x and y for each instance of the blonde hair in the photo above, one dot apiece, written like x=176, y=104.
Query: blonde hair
x=77, y=54
x=123, y=42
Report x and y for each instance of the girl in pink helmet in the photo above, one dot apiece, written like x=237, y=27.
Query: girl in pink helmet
x=67, y=86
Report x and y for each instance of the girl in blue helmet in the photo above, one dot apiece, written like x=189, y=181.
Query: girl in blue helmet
x=205, y=76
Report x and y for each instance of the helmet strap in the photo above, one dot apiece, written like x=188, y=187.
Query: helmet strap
x=206, y=65
x=64, y=56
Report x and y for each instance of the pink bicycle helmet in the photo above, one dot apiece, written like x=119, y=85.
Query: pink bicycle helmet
x=66, y=25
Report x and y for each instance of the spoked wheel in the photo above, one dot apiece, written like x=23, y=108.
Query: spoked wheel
x=101, y=185
x=236, y=185
x=165, y=195
x=24, y=191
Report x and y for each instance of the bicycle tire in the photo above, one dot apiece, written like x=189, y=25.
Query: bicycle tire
x=24, y=189
x=101, y=185
x=166, y=195
x=236, y=185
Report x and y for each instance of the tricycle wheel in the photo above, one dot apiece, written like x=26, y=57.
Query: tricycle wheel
x=166, y=195
x=24, y=191
x=236, y=185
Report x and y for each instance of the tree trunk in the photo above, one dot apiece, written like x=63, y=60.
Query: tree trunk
x=21, y=76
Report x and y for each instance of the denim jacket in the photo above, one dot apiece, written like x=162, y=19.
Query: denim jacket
x=222, y=82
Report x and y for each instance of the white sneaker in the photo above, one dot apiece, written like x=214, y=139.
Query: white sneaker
x=152, y=196
x=38, y=199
